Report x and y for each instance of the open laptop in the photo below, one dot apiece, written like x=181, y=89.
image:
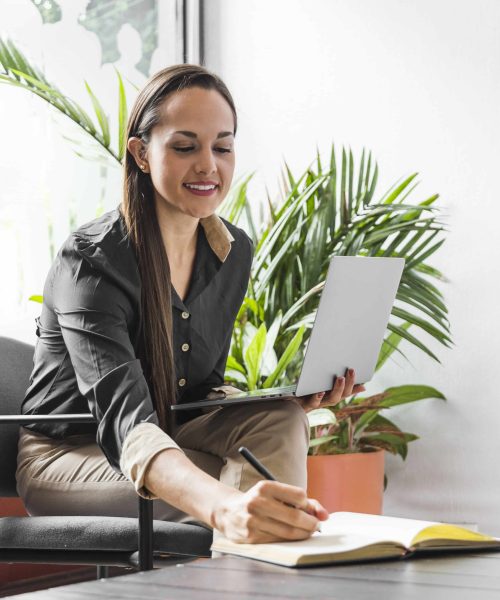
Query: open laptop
x=348, y=330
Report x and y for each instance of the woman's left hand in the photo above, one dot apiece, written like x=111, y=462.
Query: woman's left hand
x=342, y=388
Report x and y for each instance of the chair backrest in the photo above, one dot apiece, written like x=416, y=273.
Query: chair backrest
x=16, y=364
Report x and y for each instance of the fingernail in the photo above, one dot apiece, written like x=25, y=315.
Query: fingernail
x=351, y=372
x=340, y=380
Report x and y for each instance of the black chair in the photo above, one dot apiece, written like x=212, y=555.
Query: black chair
x=100, y=541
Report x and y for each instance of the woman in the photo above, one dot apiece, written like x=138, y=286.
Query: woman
x=138, y=311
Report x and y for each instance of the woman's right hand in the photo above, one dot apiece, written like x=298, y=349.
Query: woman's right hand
x=268, y=512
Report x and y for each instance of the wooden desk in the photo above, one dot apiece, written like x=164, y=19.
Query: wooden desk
x=459, y=577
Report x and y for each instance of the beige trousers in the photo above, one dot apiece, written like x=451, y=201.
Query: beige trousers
x=73, y=477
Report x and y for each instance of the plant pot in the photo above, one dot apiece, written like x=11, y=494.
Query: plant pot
x=347, y=482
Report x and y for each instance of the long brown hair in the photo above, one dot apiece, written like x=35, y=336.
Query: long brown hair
x=138, y=209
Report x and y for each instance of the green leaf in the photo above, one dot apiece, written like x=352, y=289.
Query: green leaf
x=290, y=212
x=412, y=339
x=393, y=196
x=232, y=363
x=365, y=420
x=343, y=191
x=389, y=345
x=315, y=291
x=423, y=324
x=424, y=255
x=424, y=305
x=321, y=440
x=253, y=356
x=404, y=394
x=235, y=202
x=391, y=442
x=20, y=73
x=36, y=299
x=122, y=116
x=101, y=116
x=285, y=359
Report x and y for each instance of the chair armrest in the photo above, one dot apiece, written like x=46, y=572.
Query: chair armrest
x=145, y=506
x=28, y=419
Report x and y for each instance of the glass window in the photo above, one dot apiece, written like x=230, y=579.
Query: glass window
x=54, y=177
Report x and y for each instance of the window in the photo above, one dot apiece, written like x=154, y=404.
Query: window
x=54, y=177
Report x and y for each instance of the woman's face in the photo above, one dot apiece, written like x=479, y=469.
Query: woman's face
x=190, y=156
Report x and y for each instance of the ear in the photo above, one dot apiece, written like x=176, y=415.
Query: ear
x=138, y=150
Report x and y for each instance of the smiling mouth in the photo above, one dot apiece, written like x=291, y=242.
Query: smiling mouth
x=200, y=187
x=201, y=190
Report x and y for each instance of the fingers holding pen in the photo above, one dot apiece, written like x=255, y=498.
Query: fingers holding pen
x=282, y=510
x=277, y=509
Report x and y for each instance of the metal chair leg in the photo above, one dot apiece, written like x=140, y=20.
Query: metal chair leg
x=145, y=534
x=102, y=572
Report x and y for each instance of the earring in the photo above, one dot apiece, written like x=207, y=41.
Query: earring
x=143, y=167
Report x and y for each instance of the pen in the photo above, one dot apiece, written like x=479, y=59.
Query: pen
x=260, y=468
x=256, y=464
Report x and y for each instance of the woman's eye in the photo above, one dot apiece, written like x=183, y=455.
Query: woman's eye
x=190, y=148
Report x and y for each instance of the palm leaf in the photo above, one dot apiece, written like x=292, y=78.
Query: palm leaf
x=19, y=72
x=285, y=359
x=122, y=116
x=101, y=116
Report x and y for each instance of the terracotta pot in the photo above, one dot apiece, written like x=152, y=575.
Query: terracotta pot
x=350, y=482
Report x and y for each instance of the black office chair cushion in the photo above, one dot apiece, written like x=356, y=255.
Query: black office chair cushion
x=100, y=534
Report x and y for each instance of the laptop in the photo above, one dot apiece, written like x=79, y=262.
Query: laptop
x=348, y=329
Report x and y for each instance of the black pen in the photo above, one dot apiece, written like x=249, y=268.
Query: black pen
x=260, y=468
x=256, y=464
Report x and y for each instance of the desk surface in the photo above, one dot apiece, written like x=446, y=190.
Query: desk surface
x=458, y=577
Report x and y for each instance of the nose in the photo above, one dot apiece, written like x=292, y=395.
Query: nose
x=206, y=162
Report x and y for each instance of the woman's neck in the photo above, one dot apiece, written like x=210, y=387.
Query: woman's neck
x=179, y=233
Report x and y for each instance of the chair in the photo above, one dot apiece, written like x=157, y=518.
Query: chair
x=100, y=541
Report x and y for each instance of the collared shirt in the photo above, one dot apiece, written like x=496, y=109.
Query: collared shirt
x=89, y=330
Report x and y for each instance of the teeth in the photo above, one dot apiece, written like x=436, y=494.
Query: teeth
x=200, y=187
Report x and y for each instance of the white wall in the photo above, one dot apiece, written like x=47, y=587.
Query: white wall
x=418, y=83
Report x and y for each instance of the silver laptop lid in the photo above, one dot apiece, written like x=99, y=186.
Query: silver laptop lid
x=351, y=320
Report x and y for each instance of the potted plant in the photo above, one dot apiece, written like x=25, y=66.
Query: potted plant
x=322, y=213
x=348, y=442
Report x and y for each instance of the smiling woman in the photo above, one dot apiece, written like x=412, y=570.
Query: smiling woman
x=138, y=312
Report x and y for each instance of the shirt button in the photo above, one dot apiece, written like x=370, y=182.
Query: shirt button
x=182, y=382
x=185, y=347
x=185, y=315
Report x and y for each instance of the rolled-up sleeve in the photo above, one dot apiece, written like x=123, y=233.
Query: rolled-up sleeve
x=137, y=455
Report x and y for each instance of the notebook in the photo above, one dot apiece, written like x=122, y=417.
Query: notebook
x=348, y=329
x=356, y=537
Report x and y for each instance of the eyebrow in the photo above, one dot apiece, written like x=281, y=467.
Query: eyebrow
x=191, y=134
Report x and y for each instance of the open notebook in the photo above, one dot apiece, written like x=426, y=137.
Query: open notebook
x=355, y=537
